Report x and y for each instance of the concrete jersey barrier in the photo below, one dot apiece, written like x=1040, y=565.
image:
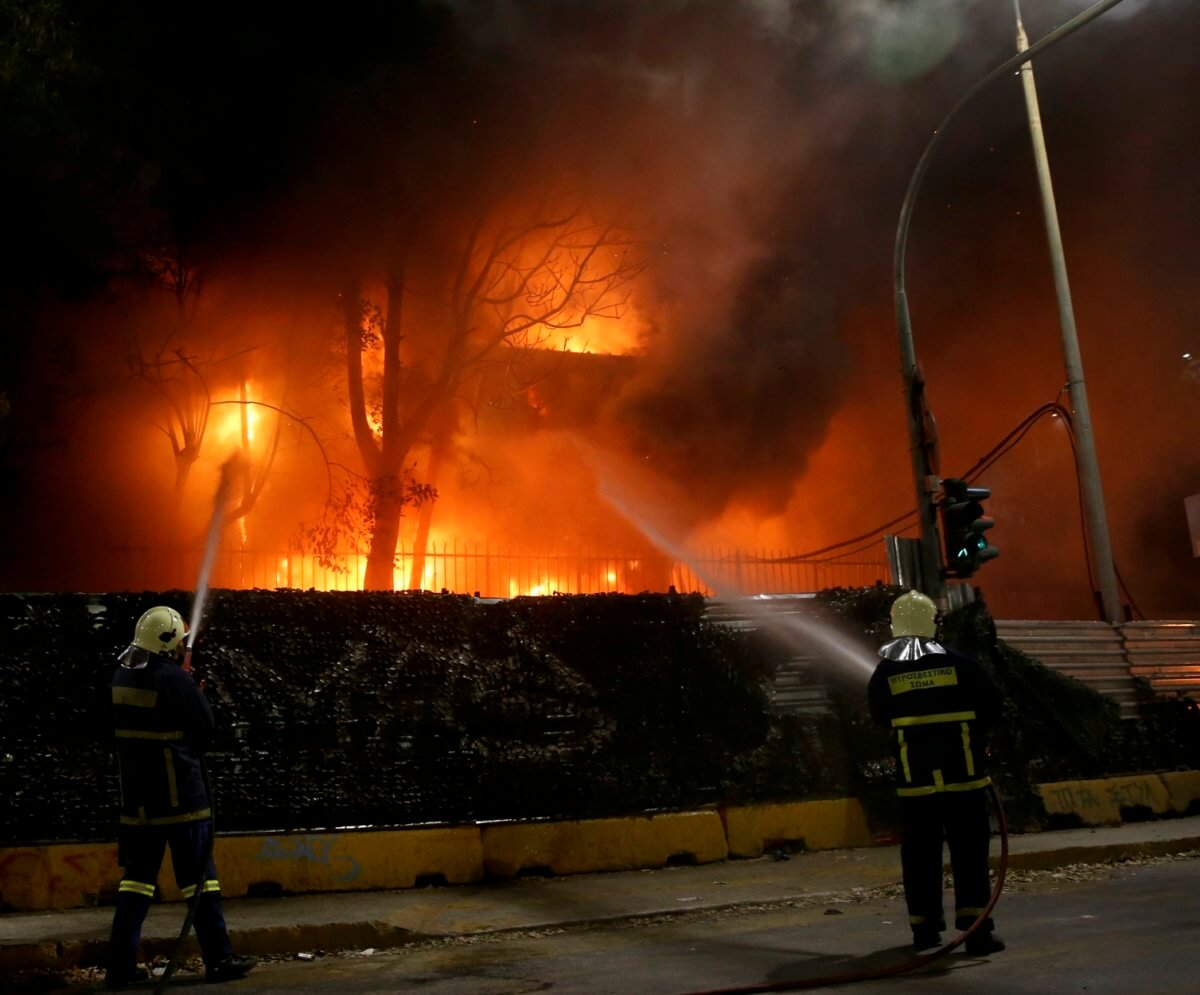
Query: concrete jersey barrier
x=75, y=875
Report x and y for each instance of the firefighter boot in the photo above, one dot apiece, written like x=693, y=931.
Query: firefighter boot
x=983, y=943
x=926, y=937
x=123, y=978
x=230, y=969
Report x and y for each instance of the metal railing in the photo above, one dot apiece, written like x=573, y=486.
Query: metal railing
x=494, y=572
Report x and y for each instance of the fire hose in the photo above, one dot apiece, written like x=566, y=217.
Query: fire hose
x=194, y=901
x=210, y=550
x=919, y=960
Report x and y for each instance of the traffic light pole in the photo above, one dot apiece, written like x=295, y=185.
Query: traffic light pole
x=1086, y=464
x=932, y=581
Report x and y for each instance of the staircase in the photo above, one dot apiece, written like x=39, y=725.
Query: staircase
x=1091, y=652
x=1107, y=658
x=798, y=687
x=1166, y=654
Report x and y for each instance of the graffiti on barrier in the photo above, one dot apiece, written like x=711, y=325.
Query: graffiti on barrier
x=1111, y=796
x=1070, y=798
x=319, y=850
x=1137, y=793
x=54, y=878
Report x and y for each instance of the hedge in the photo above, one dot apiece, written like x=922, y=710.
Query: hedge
x=339, y=709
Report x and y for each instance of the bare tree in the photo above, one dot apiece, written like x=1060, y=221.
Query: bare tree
x=507, y=285
x=185, y=401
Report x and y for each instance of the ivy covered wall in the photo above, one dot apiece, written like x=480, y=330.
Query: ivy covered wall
x=353, y=709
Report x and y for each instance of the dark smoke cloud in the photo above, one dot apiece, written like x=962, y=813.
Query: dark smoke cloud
x=765, y=148
x=737, y=141
x=761, y=150
x=782, y=226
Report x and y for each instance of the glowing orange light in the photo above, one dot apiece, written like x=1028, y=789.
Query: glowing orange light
x=225, y=420
x=600, y=335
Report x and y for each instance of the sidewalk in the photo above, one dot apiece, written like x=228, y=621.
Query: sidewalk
x=77, y=938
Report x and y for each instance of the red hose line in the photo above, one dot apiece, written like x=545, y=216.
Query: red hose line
x=912, y=963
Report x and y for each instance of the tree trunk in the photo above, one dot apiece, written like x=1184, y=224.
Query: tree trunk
x=442, y=422
x=183, y=469
x=381, y=559
x=416, y=580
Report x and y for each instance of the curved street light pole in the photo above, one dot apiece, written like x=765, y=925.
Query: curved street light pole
x=1087, y=465
x=924, y=474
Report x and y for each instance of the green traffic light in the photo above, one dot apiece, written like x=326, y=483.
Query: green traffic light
x=963, y=525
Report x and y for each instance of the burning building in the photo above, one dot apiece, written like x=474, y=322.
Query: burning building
x=613, y=278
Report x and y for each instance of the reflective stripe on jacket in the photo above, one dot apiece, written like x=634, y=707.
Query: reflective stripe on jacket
x=940, y=708
x=163, y=725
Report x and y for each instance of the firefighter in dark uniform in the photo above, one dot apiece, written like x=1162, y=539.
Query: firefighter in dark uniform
x=940, y=706
x=163, y=727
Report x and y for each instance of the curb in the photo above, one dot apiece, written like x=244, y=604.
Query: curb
x=1049, y=860
x=291, y=939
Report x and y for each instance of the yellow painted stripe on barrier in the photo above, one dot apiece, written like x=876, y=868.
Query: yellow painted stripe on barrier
x=1183, y=788
x=358, y=861
x=73, y=875
x=603, y=844
x=822, y=825
x=58, y=876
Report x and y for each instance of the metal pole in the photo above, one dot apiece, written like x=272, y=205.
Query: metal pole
x=933, y=583
x=1087, y=465
x=930, y=575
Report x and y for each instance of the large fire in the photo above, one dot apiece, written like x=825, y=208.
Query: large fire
x=730, y=174
x=469, y=547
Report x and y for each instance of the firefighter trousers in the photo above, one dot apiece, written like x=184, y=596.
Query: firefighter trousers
x=960, y=819
x=141, y=855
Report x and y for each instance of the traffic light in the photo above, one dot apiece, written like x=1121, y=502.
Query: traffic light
x=963, y=527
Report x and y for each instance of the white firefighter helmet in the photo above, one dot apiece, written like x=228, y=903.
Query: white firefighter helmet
x=159, y=630
x=914, y=614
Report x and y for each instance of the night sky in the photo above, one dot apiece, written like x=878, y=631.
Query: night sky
x=757, y=151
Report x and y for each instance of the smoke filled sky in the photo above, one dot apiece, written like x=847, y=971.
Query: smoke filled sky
x=209, y=181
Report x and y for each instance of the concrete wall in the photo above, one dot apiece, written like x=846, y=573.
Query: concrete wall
x=71, y=875
x=1107, y=802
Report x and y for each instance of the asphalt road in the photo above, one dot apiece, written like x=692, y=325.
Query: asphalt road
x=1120, y=929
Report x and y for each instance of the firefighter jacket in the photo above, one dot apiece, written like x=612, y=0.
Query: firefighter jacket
x=940, y=706
x=163, y=726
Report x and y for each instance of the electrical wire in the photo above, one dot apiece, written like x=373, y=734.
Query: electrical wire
x=796, y=557
x=1056, y=410
x=982, y=463
x=1010, y=441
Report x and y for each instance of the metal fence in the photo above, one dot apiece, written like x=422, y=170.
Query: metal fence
x=495, y=572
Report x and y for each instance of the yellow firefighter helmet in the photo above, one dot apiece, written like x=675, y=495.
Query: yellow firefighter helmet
x=914, y=614
x=159, y=630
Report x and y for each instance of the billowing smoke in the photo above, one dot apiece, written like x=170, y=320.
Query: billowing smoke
x=737, y=142
x=757, y=153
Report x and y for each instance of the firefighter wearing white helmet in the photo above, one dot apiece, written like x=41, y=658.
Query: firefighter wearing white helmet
x=914, y=614
x=940, y=706
x=163, y=727
x=159, y=630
